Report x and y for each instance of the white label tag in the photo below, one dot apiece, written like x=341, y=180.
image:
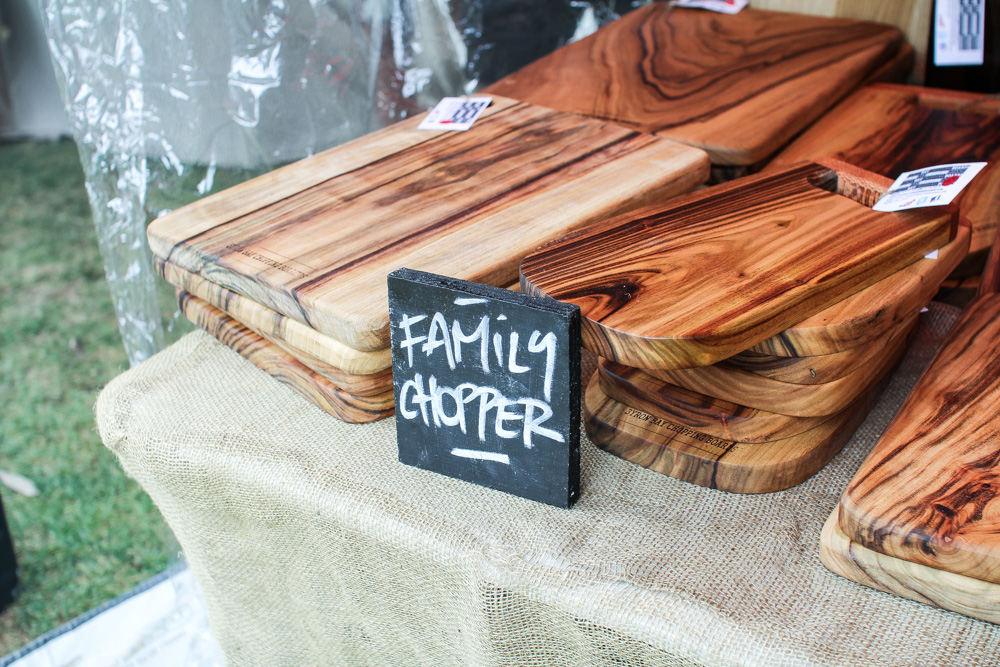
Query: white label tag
x=455, y=113
x=723, y=6
x=931, y=186
x=958, y=32
x=933, y=254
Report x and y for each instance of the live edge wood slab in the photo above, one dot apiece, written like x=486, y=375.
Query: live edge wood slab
x=889, y=129
x=704, y=276
x=286, y=369
x=738, y=86
x=316, y=239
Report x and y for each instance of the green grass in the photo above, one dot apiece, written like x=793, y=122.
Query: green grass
x=92, y=533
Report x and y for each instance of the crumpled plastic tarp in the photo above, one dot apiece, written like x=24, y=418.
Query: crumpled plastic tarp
x=170, y=100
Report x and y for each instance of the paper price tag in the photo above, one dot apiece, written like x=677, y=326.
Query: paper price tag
x=723, y=6
x=455, y=113
x=931, y=186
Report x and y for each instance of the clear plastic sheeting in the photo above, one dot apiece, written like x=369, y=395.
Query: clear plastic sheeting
x=170, y=100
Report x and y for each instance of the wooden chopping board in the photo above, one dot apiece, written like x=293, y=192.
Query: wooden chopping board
x=699, y=278
x=818, y=369
x=873, y=311
x=929, y=491
x=797, y=400
x=289, y=371
x=316, y=239
x=675, y=450
x=297, y=339
x=889, y=129
x=738, y=86
x=972, y=597
x=705, y=414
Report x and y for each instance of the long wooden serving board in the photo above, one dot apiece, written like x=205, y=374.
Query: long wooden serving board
x=316, y=239
x=707, y=275
x=677, y=451
x=705, y=414
x=297, y=339
x=889, y=129
x=965, y=595
x=286, y=369
x=738, y=86
x=929, y=491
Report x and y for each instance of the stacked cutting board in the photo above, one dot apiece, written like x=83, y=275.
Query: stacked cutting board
x=746, y=329
x=739, y=86
x=289, y=269
x=921, y=518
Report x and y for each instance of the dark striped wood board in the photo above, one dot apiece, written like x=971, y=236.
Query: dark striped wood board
x=677, y=451
x=737, y=86
x=929, y=491
x=286, y=369
x=707, y=275
x=873, y=311
x=786, y=398
x=818, y=369
x=890, y=129
x=705, y=414
x=299, y=340
x=965, y=595
x=316, y=239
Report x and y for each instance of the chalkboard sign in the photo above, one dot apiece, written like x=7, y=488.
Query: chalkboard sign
x=487, y=385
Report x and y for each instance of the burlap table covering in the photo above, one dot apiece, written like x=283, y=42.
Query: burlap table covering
x=315, y=546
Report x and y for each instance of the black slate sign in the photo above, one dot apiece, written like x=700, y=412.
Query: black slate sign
x=487, y=385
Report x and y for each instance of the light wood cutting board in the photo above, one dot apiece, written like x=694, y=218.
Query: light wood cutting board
x=705, y=414
x=786, y=398
x=675, y=450
x=285, y=368
x=873, y=311
x=316, y=239
x=707, y=275
x=297, y=339
x=818, y=369
x=929, y=491
x=965, y=595
x=890, y=129
x=738, y=86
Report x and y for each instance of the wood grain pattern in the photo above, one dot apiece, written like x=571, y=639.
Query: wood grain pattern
x=818, y=369
x=929, y=491
x=675, y=450
x=298, y=339
x=315, y=240
x=871, y=312
x=737, y=86
x=285, y=368
x=704, y=276
x=890, y=129
x=955, y=592
x=797, y=400
x=707, y=415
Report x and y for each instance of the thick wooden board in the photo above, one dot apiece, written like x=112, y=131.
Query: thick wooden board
x=818, y=369
x=315, y=240
x=929, y=491
x=797, y=400
x=707, y=275
x=297, y=339
x=873, y=311
x=890, y=129
x=285, y=368
x=706, y=414
x=955, y=592
x=675, y=450
x=738, y=86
